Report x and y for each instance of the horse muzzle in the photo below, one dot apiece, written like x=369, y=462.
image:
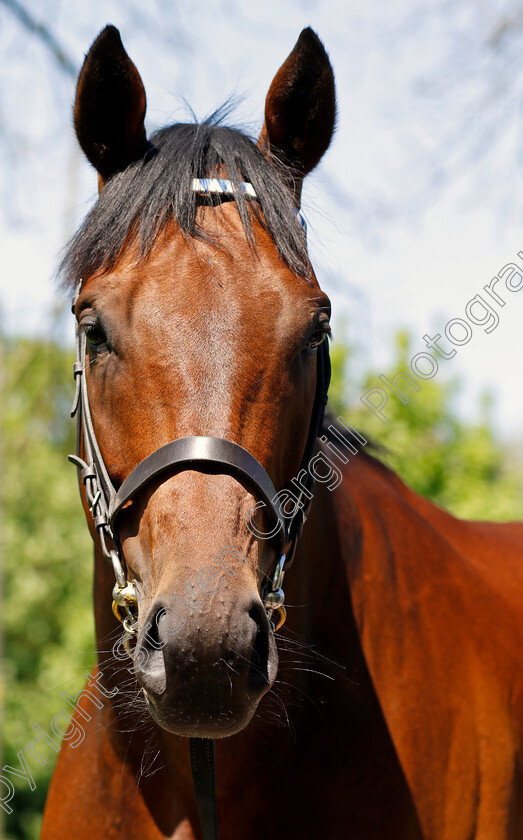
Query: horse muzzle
x=205, y=667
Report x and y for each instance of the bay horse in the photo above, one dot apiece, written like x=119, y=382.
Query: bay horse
x=390, y=706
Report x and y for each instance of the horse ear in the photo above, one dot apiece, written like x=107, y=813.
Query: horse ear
x=300, y=108
x=110, y=106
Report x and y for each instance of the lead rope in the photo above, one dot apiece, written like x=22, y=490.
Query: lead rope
x=204, y=783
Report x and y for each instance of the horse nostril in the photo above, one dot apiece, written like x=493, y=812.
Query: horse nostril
x=153, y=635
x=149, y=664
x=258, y=677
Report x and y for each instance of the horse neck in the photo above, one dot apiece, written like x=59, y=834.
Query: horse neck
x=405, y=545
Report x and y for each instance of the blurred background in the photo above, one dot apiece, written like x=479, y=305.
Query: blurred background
x=417, y=205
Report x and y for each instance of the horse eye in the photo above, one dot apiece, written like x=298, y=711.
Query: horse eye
x=317, y=338
x=95, y=336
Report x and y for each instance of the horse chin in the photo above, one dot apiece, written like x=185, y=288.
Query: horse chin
x=222, y=724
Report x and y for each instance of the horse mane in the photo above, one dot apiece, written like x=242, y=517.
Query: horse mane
x=140, y=202
x=370, y=445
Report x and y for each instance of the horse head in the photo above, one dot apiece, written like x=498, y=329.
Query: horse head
x=201, y=317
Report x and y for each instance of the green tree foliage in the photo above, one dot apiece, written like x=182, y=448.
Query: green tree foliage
x=459, y=466
x=47, y=610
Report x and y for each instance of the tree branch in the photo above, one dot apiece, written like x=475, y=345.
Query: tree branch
x=44, y=34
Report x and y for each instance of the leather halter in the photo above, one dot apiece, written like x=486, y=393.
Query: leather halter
x=202, y=453
x=196, y=452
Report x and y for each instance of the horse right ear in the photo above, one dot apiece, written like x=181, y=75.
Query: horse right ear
x=110, y=104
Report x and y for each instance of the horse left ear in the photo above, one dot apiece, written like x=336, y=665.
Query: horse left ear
x=300, y=108
x=110, y=104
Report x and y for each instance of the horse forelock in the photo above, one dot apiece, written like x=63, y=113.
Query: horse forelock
x=140, y=202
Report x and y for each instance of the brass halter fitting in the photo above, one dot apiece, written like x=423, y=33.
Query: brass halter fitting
x=125, y=604
x=273, y=599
